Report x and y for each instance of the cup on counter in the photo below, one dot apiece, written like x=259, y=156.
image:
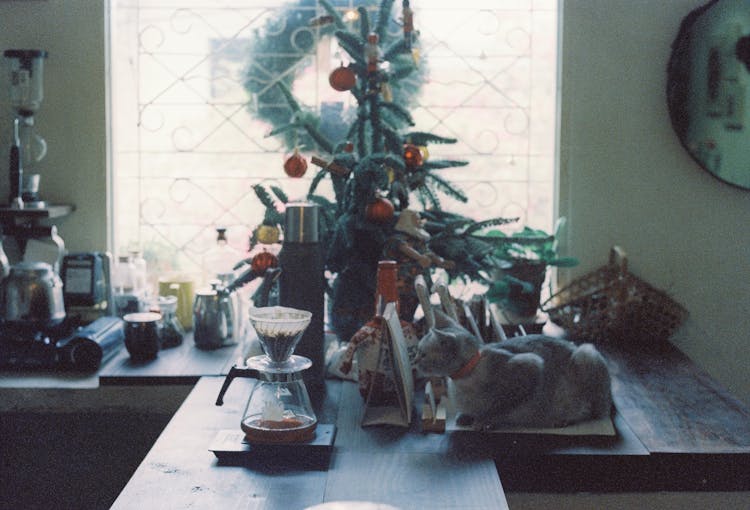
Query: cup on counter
x=142, y=335
x=183, y=287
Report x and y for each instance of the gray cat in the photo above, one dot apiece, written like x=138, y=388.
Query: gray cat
x=532, y=380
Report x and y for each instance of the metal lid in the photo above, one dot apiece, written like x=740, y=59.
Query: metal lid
x=301, y=223
x=141, y=317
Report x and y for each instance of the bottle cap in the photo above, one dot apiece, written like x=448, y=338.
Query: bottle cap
x=301, y=223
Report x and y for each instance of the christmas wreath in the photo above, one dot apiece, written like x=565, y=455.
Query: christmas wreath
x=278, y=54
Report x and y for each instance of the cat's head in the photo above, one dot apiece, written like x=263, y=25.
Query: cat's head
x=445, y=348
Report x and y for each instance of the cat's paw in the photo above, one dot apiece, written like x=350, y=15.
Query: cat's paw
x=464, y=420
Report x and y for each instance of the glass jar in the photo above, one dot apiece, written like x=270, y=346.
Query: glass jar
x=172, y=333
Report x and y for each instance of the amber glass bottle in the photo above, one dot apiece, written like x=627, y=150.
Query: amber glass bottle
x=387, y=285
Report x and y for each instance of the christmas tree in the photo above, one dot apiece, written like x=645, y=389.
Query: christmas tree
x=380, y=172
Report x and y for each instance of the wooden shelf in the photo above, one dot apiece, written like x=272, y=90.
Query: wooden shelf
x=33, y=214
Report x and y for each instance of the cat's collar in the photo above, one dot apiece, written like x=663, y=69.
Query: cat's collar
x=467, y=368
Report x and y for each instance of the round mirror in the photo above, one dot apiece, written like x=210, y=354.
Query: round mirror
x=708, y=88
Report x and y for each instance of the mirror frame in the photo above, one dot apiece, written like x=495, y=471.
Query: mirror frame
x=684, y=91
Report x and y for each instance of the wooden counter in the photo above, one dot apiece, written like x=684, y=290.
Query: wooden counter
x=678, y=430
x=382, y=464
x=184, y=364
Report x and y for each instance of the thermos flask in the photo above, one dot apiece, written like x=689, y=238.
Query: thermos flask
x=302, y=284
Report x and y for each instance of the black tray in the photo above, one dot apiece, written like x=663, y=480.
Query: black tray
x=231, y=447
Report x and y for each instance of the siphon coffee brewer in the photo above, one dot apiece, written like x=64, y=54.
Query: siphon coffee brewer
x=279, y=408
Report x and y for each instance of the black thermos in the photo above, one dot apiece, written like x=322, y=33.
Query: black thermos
x=302, y=283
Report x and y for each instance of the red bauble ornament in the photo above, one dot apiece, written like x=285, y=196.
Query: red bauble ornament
x=349, y=147
x=412, y=156
x=262, y=261
x=296, y=165
x=342, y=79
x=380, y=210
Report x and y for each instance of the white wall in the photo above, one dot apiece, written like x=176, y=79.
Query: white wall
x=72, y=117
x=625, y=179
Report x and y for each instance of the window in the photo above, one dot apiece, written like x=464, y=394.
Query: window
x=188, y=147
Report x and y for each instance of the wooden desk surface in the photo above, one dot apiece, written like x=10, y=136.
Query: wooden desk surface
x=672, y=418
x=381, y=464
x=184, y=364
x=674, y=406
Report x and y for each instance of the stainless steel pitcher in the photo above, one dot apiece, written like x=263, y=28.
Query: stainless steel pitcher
x=213, y=318
x=32, y=296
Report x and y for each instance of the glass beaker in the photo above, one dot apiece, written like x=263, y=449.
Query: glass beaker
x=279, y=408
x=26, y=79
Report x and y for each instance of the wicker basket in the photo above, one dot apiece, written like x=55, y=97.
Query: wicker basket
x=610, y=305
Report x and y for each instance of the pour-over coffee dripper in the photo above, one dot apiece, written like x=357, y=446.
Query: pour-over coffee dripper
x=279, y=408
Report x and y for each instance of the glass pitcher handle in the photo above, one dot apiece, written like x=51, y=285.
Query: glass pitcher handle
x=235, y=371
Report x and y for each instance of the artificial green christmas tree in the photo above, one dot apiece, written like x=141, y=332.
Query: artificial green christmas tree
x=378, y=170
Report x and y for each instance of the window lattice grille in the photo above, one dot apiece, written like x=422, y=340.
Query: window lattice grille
x=187, y=149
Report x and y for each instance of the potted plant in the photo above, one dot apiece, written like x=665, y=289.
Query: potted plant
x=523, y=258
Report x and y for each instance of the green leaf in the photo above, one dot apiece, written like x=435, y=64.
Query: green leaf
x=337, y=20
x=280, y=194
x=447, y=187
x=319, y=176
x=395, y=50
x=443, y=163
x=364, y=22
x=282, y=129
x=563, y=262
x=498, y=291
x=422, y=138
x=264, y=197
x=291, y=101
x=384, y=14
x=352, y=44
x=428, y=198
x=401, y=72
x=324, y=143
x=399, y=111
x=492, y=222
x=394, y=162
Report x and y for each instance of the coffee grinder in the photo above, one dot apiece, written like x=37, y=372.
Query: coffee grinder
x=27, y=147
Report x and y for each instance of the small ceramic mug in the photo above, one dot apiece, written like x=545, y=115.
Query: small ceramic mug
x=142, y=335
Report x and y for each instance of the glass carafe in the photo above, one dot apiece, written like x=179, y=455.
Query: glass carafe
x=279, y=408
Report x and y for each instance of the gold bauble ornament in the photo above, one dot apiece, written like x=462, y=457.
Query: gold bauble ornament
x=267, y=234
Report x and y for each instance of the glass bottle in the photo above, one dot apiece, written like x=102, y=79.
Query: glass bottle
x=219, y=260
x=123, y=284
x=140, y=274
x=172, y=332
x=218, y=264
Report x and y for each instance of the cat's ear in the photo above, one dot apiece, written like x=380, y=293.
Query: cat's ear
x=443, y=320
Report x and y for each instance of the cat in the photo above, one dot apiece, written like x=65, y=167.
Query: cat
x=532, y=380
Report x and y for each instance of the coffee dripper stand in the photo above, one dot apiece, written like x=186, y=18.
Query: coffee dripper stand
x=279, y=411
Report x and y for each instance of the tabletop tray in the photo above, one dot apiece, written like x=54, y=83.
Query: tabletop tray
x=230, y=446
